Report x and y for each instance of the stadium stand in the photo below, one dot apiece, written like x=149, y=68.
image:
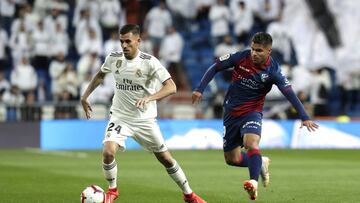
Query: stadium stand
x=85, y=23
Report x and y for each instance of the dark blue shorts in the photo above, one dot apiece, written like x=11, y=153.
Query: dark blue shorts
x=234, y=131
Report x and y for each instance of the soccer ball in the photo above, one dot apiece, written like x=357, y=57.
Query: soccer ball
x=92, y=194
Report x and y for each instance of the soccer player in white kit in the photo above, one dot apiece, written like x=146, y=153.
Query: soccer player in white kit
x=133, y=111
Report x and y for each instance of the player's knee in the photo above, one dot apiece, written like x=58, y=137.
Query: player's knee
x=108, y=156
x=251, y=145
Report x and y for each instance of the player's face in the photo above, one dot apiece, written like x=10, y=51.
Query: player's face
x=259, y=53
x=130, y=43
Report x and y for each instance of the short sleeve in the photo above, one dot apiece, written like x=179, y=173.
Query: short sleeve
x=105, y=68
x=229, y=60
x=280, y=79
x=159, y=71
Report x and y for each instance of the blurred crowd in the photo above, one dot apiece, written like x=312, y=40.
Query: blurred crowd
x=50, y=49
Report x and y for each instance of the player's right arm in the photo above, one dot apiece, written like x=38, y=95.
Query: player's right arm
x=223, y=63
x=95, y=82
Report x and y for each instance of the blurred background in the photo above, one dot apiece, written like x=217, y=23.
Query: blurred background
x=50, y=49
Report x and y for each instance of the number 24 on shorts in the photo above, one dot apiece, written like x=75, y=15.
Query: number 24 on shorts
x=112, y=125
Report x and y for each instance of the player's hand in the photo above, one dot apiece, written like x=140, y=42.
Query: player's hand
x=142, y=102
x=86, y=106
x=196, y=97
x=310, y=125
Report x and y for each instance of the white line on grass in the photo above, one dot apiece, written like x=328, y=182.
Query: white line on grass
x=81, y=155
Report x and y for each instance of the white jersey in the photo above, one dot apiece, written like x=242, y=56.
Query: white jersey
x=134, y=79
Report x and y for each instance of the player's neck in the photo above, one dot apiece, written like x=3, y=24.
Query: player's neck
x=133, y=56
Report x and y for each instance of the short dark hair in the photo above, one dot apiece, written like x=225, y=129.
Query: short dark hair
x=262, y=38
x=133, y=28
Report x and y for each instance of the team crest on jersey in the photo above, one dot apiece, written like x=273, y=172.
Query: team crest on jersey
x=138, y=73
x=118, y=63
x=224, y=57
x=264, y=77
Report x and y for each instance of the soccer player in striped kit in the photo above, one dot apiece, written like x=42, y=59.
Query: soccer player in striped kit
x=254, y=72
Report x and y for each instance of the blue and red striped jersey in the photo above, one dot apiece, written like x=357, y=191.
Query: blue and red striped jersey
x=250, y=84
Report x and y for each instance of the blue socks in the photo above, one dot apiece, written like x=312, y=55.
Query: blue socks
x=254, y=163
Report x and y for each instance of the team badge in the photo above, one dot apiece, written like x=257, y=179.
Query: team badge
x=224, y=57
x=138, y=73
x=264, y=77
x=118, y=63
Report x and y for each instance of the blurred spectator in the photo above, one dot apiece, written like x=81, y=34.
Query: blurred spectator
x=68, y=82
x=57, y=67
x=13, y=99
x=30, y=16
x=64, y=109
x=219, y=16
x=4, y=84
x=281, y=49
x=24, y=76
x=3, y=45
x=170, y=54
x=88, y=63
x=319, y=92
x=110, y=11
x=90, y=43
x=41, y=40
x=91, y=7
x=61, y=5
x=40, y=7
x=267, y=11
x=299, y=74
x=7, y=13
x=29, y=111
x=54, y=19
x=60, y=41
x=156, y=22
x=112, y=44
x=87, y=25
x=20, y=43
x=183, y=12
x=203, y=8
x=21, y=22
x=225, y=47
x=243, y=21
x=350, y=91
x=146, y=44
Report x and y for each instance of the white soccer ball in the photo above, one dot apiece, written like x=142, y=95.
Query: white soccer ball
x=92, y=194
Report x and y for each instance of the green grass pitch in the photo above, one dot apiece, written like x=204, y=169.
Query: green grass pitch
x=32, y=176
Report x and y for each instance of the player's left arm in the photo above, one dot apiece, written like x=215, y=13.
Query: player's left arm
x=168, y=88
x=284, y=86
x=294, y=100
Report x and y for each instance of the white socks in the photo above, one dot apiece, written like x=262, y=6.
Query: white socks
x=177, y=174
x=110, y=173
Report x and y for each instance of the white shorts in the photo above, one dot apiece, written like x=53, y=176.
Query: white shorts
x=146, y=132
